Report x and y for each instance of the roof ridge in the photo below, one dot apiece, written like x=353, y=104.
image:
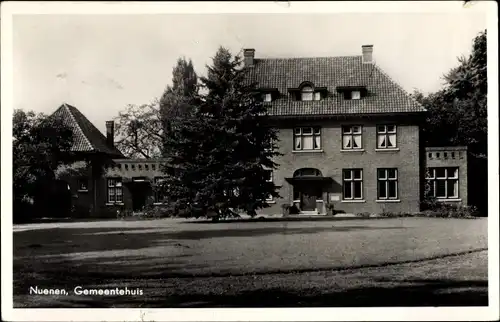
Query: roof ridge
x=313, y=57
x=399, y=86
x=67, y=106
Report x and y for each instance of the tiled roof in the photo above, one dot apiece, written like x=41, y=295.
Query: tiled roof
x=384, y=95
x=86, y=137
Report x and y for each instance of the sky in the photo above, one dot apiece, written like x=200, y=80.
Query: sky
x=102, y=63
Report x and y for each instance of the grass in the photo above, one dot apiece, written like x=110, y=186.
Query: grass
x=194, y=264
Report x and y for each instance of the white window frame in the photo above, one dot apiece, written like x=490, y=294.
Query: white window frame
x=356, y=95
x=267, y=97
x=271, y=179
x=114, y=184
x=387, y=179
x=307, y=90
x=315, y=133
x=85, y=186
x=432, y=178
x=386, y=133
x=352, y=179
x=352, y=134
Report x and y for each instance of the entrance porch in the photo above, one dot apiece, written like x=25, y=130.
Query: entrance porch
x=309, y=191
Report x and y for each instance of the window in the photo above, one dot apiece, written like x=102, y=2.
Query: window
x=83, y=184
x=386, y=136
x=267, y=97
x=307, y=172
x=307, y=138
x=355, y=95
x=351, y=137
x=159, y=194
x=115, y=190
x=306, y=93
x=387, y=184
x=269, y=178
x=442, y=182
x=353, y=184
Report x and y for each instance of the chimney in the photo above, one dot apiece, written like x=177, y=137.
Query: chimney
x=110, y=133
x=248, y=56
x=367, y=53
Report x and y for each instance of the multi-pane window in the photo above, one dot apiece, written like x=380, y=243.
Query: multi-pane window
x=351, y=137
x=307, y=93
x=353, y=184
x=307, y=138
x=355, y=95
x=387, y=183
x=83, y=184
x=267, y=97
x=159, y=194
x=115, y=190
x=269, y=178
x=386, y=136
x=442, y=182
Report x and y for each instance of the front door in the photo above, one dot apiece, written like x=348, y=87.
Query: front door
x=140, y=192
x=308, y=202
x=309, y=196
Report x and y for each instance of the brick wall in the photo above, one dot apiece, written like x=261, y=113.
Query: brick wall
x=331, y=160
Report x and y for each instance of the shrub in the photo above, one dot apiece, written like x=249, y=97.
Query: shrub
x=330, y=209
x=445, y=210
x=363, y=214
x=294, y=210
x=285, y=209
x=155, y=211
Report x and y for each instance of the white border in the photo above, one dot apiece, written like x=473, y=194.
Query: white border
x=288, y=314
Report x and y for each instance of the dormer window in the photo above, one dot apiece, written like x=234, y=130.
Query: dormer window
x=267, y=97
x=353, y=92
x=268, y=94
x=307, y=93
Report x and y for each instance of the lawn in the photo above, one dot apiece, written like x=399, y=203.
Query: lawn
x=180, y=263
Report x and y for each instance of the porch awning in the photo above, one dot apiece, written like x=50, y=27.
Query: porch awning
x=136, y=179
x=318, y=179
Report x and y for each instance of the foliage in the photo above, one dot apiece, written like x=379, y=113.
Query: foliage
x=40, y=145
x=139, y=132
x=457, y=115
x=219, y=153
x=445, y=210
x=177, y=100
x=294, y=210
x=71, y=170
x=363, y=215
x=285, y=208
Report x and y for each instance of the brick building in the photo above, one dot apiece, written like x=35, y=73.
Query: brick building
x=349, y=135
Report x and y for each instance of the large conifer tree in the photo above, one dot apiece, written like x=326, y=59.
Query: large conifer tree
x=221, y=155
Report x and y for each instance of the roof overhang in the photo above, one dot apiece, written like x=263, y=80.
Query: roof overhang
x=294, y=180
x=316, y=88
x=350, y=88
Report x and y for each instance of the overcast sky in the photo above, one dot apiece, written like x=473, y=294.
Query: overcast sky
x=102, y=63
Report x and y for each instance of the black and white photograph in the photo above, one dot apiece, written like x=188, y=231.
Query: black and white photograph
x=335, y=157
